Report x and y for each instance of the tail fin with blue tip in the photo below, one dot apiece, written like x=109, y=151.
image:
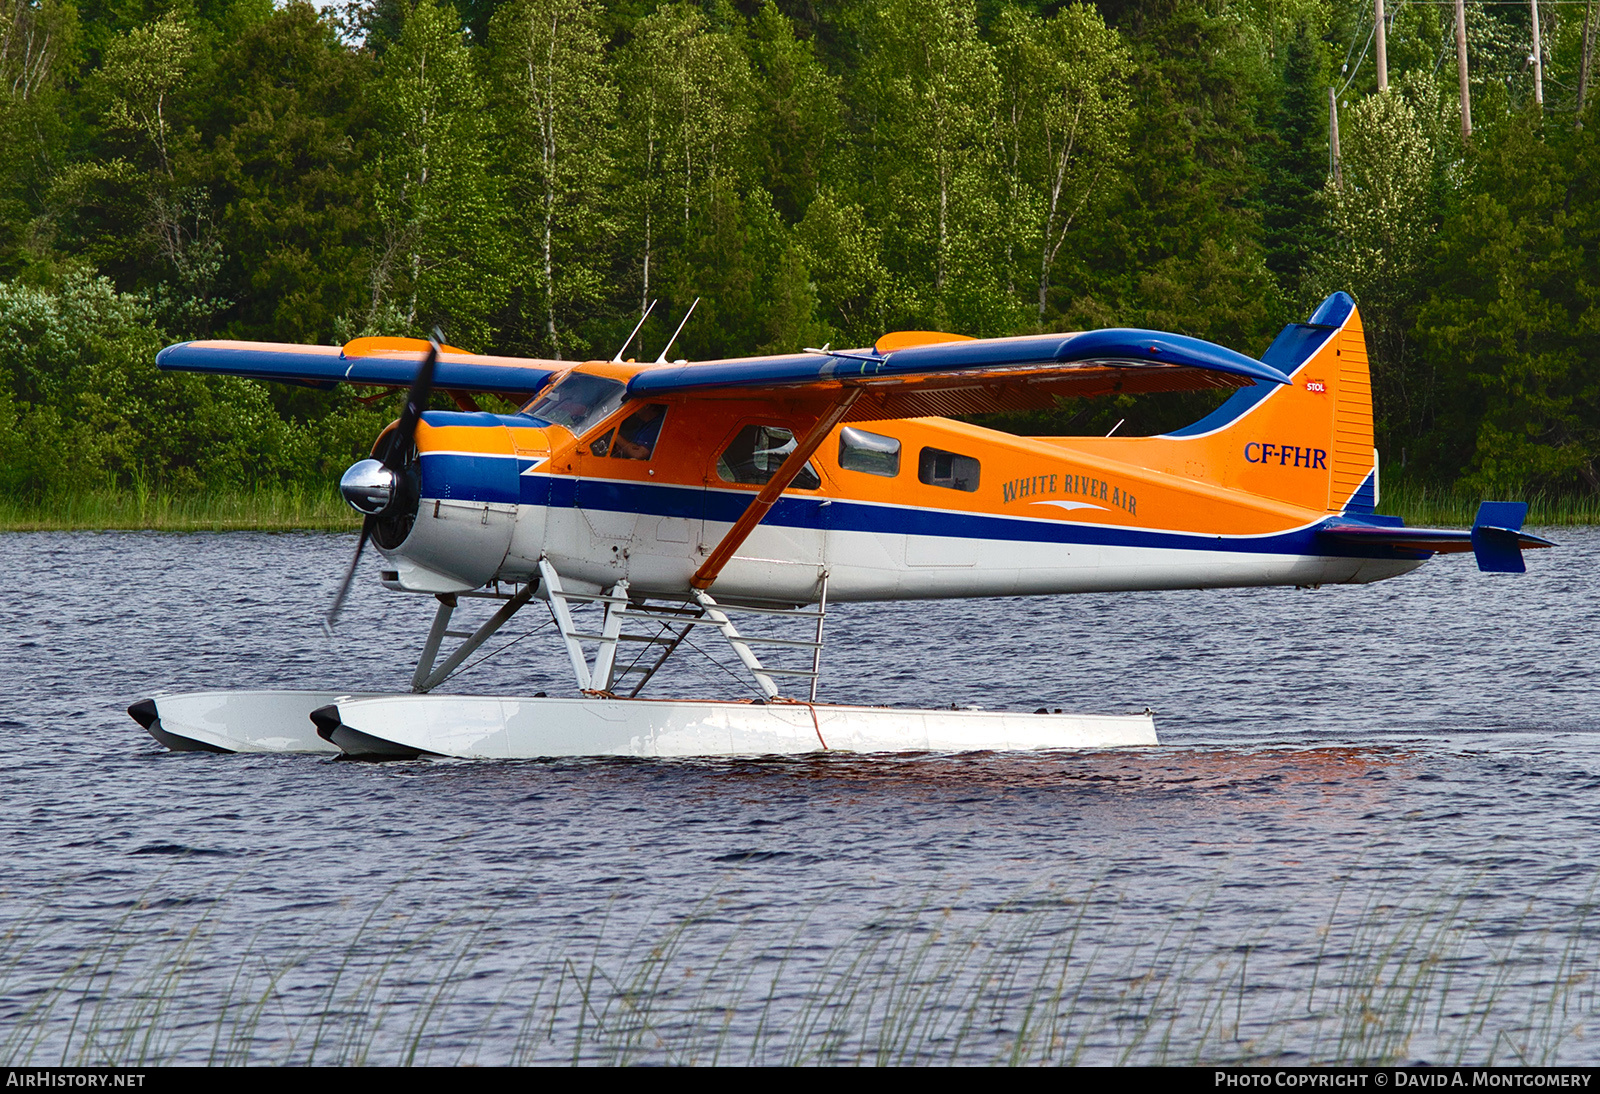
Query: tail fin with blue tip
x=1307, y=443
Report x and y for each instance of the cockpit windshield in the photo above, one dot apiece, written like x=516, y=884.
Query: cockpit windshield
x=578, y=402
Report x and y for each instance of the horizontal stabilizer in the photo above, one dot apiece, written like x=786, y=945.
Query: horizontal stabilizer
x=972, y=376
x=1496, y=537
x=367, y=361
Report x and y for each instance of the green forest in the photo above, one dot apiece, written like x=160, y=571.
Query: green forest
x=527, y=175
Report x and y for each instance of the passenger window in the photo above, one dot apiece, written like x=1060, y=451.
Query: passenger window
x=756, y=454
x=602, y=444
x=636, y=437
x=939, y=468
x=869, y=452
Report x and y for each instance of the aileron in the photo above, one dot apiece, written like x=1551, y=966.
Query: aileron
x=369, y=362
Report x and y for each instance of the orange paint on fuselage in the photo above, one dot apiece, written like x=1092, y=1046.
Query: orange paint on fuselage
x=1298, y=454
x=1309, y=446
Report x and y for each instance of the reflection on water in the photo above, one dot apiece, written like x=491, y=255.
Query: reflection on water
x=1361, y=790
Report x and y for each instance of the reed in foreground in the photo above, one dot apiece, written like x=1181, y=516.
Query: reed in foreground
x=1051, y=978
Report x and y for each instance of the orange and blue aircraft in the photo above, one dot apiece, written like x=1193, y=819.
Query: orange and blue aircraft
x=839, y=475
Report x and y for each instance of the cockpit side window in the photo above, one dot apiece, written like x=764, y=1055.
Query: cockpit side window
x=578, y=402
x=636, y=437
x=755, y=455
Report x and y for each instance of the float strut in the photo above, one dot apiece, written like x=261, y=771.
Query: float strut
x=605, y=658
x=476, y=639
x=430, y=648
x=563, y=617
x=741, y=648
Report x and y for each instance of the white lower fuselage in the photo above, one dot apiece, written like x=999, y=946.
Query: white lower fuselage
x=856, y=545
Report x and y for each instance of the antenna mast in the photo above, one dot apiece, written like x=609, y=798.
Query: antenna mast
x=636, y=326
x=663, y=358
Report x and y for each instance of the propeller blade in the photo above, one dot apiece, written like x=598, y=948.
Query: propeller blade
x=395, y=460
x=416, y=402
x=349, y=575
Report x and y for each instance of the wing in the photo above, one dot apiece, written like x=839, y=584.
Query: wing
x=909, y=377
x=380, y=362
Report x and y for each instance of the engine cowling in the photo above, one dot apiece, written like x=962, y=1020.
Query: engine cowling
x=467, y=474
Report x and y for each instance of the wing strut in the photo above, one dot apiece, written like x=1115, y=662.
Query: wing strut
x=768, y=495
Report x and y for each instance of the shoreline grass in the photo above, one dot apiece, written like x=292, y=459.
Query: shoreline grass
x=264, y=509
x=296, y=509
x=1424, y=504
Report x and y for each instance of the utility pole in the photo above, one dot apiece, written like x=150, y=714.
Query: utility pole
x=1383, y=46
x=1333, y=137
x=1538, y=58
x=1461, y=70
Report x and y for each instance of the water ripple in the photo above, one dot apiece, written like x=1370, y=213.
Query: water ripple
x=1413, y=762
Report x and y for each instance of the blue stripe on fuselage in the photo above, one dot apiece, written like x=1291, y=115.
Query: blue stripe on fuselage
x=459, y=476
x=470, y=478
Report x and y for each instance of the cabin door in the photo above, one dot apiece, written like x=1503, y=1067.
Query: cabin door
x=631, y=495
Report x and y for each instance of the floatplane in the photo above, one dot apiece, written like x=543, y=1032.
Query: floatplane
x=638, y=502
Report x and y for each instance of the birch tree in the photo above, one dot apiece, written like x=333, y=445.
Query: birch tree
x=1379, y=225
x=37, y=48
x=435, y=262
x=685, y=101
x=931, y=89
x=556, y=109
x=1064, y=110
x=148, y=209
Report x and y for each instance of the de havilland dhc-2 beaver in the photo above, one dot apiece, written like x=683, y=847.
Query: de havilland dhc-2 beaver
x=642, y=501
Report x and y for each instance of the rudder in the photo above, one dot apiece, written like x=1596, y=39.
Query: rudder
x=1354, y=484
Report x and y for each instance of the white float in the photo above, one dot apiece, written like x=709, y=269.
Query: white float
x=604, y=721
x=476, y=727
x=237, y=721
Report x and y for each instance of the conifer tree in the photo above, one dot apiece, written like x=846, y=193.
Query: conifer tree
x=1296, y=161
x=798, y=126
x=291, y=123
x=1183, y=252
x=1511, y=314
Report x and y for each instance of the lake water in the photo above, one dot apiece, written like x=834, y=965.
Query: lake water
x=1370, y=833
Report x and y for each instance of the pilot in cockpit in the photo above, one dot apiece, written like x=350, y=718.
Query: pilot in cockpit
x=636, y=439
